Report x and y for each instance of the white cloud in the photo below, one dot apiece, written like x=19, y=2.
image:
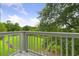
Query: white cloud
x=18, y=7
x=23, y=22
x=34, y=21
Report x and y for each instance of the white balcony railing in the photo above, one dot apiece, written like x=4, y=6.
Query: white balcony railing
x=40, y=43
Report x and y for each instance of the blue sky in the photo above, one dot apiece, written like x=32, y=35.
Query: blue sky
x=24, y=14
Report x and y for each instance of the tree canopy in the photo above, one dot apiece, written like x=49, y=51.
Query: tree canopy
x=59, y=17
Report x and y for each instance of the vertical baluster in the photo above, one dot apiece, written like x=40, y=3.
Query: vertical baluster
x=72, y=46
x=47, y=46
x=20, y=42
x=28, y=44
x=3, y=50
x=55, y=46
x=51, y=46
x=16, y=42
x=30, y=41
x=40, y=44
x=37, y=42
x=66, y=46
x=13, y=41
x=44, y=45
x=8, y=44
x=34, y=42
x=61, y=46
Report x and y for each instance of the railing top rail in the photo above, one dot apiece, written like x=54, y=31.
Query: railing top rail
x=60, y=34
x=45, y=33
x=68, y=33
x=10, y=32
x=52, y=32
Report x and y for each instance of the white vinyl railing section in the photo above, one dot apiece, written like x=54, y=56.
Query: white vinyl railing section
x=40, y=43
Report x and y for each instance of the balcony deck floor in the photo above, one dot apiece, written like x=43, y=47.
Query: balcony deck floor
x=25, y=54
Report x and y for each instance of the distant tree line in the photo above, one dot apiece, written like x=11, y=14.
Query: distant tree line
x=9, y=26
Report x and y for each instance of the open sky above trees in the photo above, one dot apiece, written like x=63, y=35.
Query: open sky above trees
x=24, y=14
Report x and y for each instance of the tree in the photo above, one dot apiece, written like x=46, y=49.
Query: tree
x=9, y=26
x=70, y=17
x=2, y=27
x=48, y=15
x=12, y=27
x=26, y=28
x=60, y=17
x=29, y=28
x=60, y=14
x=17, y=27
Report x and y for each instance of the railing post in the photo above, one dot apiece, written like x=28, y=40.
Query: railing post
x=24, y=41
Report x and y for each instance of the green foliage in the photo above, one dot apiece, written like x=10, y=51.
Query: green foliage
x=12, y=27
x=29, y=28
x=2, y=27
x=15, y=27
x=26, y=28
x=56, y=16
